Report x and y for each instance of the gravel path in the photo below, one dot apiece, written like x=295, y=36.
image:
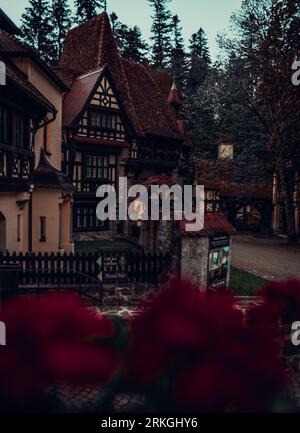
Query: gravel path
x=269, y=258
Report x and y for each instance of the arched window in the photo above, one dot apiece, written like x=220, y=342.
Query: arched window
x=248, y=218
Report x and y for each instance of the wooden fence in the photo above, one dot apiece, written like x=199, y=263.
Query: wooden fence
x=60, y=270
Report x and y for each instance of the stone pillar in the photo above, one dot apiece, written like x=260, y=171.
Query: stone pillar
x=194, y=259
x=164, y=236
x=65, y=223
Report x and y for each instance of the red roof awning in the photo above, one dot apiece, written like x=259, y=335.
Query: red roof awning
x=159, y=179
x=213, y=224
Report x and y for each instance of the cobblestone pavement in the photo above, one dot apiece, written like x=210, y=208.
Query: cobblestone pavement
x=268, y=258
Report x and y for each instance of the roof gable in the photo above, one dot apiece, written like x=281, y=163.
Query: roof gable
x=8, y=25
x=79, y=96
x=104, y=96
x=16, y=76
x=11, y=47
x=92, y=90
x=90, y=47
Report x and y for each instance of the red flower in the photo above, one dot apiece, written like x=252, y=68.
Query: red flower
x=285, y=297
x=49, y=341
x=215, y=360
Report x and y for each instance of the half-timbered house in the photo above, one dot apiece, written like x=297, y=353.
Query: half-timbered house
x=120, y=118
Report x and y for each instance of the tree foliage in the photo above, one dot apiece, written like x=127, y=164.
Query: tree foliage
x=87, y=9
x=38, y=29
x=161, y=33
x=178, y=54
x=129, y=39
x=61, y=20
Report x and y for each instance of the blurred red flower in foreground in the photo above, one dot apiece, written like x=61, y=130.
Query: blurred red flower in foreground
x=284, y=296
x=215, y=360
x=49, y=341
x=281, y=301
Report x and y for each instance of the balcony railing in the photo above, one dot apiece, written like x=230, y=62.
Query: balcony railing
x=16, y=164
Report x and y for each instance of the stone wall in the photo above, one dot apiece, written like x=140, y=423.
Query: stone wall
x=194, y=259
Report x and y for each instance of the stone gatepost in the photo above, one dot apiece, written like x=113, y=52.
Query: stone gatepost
x=194, y=259
x=205, y=256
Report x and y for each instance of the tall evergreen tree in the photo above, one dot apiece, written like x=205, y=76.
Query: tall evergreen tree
x=120, y=31
x=129, y=39
x=134, y=46
x=114, y=21
x=178, y=56
x=87, y=9
x=61, y=19
x=38, y=30
x=199, y=45
x=161, y=33
x=199, y=59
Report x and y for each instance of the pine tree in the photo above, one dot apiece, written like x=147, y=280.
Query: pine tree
x=114, y=21
x=129, y=39
x=161, y=33
x=199, y=46
x=178, y=56
x=87, y=9
x=134, y=47
x=61, y=19
x=120, y=31
x=38, y=30
x=199, y=59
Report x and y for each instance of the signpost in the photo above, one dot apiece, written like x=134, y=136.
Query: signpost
x=113, y=268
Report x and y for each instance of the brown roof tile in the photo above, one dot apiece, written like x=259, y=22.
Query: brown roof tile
x=175, y=96
x=76, y=99
x=221, y=176
x=11, y=46
x=18, y=78
x=90, y=47
x=213, y=224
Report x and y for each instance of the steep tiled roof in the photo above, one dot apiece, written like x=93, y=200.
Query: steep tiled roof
x=160, y=179
x=213, y=224
x=222, y=176
x=175, y=96
x=7, y=24
x=152, y=108
x=19, y=79
x=76, y=99
x=10, y=46
x=90, y=47
x=163, y=80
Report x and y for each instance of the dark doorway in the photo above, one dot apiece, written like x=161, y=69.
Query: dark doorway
x=2, y=232
x=248, y=218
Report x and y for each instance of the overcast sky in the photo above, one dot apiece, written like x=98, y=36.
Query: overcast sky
x=212, y=15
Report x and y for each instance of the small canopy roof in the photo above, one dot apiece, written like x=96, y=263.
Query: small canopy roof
x=47, y=176
x=214, y=223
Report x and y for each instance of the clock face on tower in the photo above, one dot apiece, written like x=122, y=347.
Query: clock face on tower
x=225, y=151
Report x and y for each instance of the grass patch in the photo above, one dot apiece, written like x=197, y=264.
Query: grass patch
x=245, y=284
x=104, y=245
